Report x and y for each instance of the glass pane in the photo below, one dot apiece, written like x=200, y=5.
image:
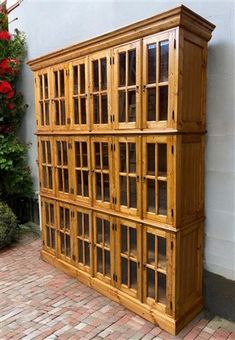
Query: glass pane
x=50, y=178
x=103, y=74
x=122, y=157
x=96, y=109
x=79, y=182
x=123, y=193
x=132, y=157
x=44, y=152
x=56, y=84
x=77, y=154
x=107, y=262
x=95, y=76
x=79, y=222
x=124, y=265
x=53, y=238
x=99, y=230
x=133, y=194
x=98, y=186
x=62, y=218
x=151, y=159
x=84, y=154
x=99, y=260
x=151, y=104
x=48, y=237
x=104, y=109
x=62, y=245
x=133, y=275
x=161, y=252
x=122, y=106
x=48, y=152
x=161, y=288
x=46, y=85
x=85, y=183
x=75, y=80
x=63, y=118
x=151, y=203
x=133, y=241
x=68, y=249
x=162, y=198
x=164, y=60
x=60, y=180
x=67, y=219
x=83, y=110
x=124, y=239
x=106, y=187
x=58, y=144
x=87, y=254
x=151, y=63
x=132, y=67
x=162, y=159
x=52, y=214
x=86, y=225
x=82, y=78
x=41, y=87
x=76, y=112
x=42, y=113
x=44, y=172
x=66, y=180
x=150, y=283
x=151, y=248
x=163, y=102
x=131, y=106
x=57, y=113
x=47, y=213
x=105, y=155
x=62, y=83
x=80, y=252
x=47, y=113
x=122, y=69
x=97, y=155
x=65, y=155
x=106, y=233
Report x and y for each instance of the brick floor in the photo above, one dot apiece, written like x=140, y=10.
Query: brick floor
x=39, y=302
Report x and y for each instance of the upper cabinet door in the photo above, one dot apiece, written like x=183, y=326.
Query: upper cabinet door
x=126, y=86
x=100, y=90
x=43, y=100
x=80, y=117
x=60, y=107
x=159, y=81
x=46, y=165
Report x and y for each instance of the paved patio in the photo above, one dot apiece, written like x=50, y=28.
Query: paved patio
x=39, y=302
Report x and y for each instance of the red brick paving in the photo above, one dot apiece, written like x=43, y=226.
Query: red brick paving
x=39, y=302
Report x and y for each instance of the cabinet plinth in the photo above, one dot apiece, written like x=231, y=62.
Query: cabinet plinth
x=120, y=130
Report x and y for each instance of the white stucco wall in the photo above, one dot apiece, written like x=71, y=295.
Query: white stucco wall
x=51, y=25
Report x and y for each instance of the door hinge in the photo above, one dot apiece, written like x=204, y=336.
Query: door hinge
x=41, y=204
x=67, y=72
x=173, y=115
x=71, y=191
x=172, y=213
x=115, y=277
x=70, y=145
x=171, y=306
x=172, y=245
x=174, y=43
x=111, y=60
x=112, y=147
x=72, y=214
x=74, y=258
x=38, y=144
x=172, y=149
x=114, y=200
x=43, y=243
x=114, y=227
x=40, y=184
x=68, y=120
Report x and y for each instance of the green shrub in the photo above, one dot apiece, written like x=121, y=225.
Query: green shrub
x=8, y=225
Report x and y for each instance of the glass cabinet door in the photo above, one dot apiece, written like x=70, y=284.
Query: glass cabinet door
x=158, y=70
x=127, y=174
x=83, y=239
x=79, y=95
x=103, y=247
x=102, y=171
x=60, y=97
x=49, y=225
x=65, y=231
x=126, y=89
x=46, y=164
x=82, y=169
x=62, y=166
x=128, y=257
x=100, y=90
x=155, y=267
x=157, y=178
x=43, y=100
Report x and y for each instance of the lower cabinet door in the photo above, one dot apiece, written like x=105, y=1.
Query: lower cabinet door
x=49, y=225
x=128, y=257
x=65, y=238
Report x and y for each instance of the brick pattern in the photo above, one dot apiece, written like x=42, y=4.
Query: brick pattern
x=39, y=302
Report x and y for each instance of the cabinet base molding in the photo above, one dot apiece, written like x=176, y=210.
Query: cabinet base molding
x=164, y=321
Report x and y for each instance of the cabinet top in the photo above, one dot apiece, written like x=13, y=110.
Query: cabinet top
x=180, y=16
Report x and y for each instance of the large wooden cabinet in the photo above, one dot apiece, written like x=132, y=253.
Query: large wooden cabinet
x=120, y=128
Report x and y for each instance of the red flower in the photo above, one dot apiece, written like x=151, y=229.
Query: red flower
x=10, y=106
x=4, y=35
x=9, y=66
x=5, y=87
x=10, y=94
